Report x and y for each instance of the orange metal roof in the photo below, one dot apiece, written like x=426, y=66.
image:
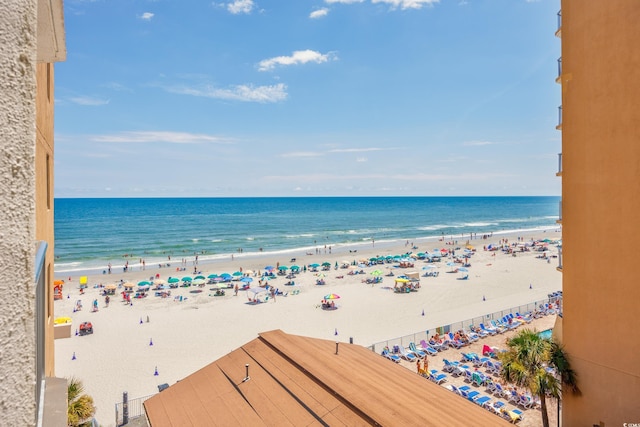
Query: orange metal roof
x=297, y=380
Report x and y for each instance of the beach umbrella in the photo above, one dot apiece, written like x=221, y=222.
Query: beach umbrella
x=187, y=279
x=173, y=280
x=295, y=267
x=463, y=270
x=212, y=276
x=199, y=282
x=269, y=267
x=199, y=277
x=237, y=273
x=326, y=264
x=332, y=296
x=248, y=271
x=402, y=280
x=256, y=291
x=283, y=268
x=159, y=282
x=314, y=265
x=144, y=283
x=376, y=273
x=110, y=287
x=246, y=279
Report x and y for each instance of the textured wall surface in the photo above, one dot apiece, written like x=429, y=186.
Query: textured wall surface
x=17, y=205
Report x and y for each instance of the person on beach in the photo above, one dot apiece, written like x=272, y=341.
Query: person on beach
x=419, y=366
x=235, y=290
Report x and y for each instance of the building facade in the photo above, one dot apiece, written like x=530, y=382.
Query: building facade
x=32, y=39
x=600, y=172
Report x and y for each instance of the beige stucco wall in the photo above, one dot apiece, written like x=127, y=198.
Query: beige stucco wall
x=601, y=205
x=17, y=210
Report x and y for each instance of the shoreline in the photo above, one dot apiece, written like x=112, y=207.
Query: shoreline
x=205, y=259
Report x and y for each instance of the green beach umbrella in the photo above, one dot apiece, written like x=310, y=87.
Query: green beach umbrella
x=199, y=277
x=295, y=267
x=283, y=268
x=326, y=264
x=237, y=273
x=187, y=279
x=144, y=283
x=212, y=276
x=173, y=280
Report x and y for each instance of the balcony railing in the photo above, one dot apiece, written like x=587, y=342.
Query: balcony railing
x=559, y=127
x=559, y=78
x=559, y=30
x=559, y=173
x=559, y=221
x=41, y=295
x=560, y=259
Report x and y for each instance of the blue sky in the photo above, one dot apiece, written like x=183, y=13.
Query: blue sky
x=167, y=98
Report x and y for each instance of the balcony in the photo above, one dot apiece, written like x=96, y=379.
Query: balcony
x=559, y=30
x=559, y=78
x=559, y=173
x=559, y=126
x=559, y=220
x=559, y=267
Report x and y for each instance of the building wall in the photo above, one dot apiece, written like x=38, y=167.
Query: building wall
x=17, y=210
x=44, y=194
x=601, y=207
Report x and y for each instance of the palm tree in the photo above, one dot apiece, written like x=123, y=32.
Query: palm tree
x=526, y=364
x=80, y=406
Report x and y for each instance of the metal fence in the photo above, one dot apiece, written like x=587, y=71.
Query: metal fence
x=445, y=329
x=130, y=409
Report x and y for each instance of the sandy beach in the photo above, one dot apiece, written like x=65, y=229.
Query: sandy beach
x=179, y=337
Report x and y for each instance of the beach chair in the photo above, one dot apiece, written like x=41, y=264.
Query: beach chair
x=393, y=357
x=416, y=351
x=459, y=390
x=468, y=357
x=470, y=395
x=526, y=402
x=404, y=353
x=513, y=415
x=434, y=346
x=496, y=407
x=488, y=329
x=501, y=392
x=436, y=377
x=482, y=400
x=449, y=366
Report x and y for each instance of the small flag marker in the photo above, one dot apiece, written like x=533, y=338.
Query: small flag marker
x=336, y=332
x=74, y=356
x=141, y=320
x=156, y=372
x=483, y=298
x=423, y=312
x=150, y=341
x=530, y=286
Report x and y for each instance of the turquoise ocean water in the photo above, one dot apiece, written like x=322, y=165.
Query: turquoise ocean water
x=90, y=233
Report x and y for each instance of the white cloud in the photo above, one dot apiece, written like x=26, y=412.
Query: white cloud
x=147, y=16
x=88, y=100
x=298, y=57
x=159, y=136
x=343, y=1
x=361, y=160
x=320, y=13
x=477, y=143
x=302, y=154
x=407, y=4
x=116, y=86
x=240, y=6
x=354, y=150
x=245, y=93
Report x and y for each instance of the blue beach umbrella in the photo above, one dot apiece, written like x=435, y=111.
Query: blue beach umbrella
x=246, y=279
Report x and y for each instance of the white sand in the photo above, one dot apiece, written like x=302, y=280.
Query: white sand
x=190, y=334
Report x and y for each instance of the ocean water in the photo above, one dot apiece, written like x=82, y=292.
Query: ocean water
x=91, y=233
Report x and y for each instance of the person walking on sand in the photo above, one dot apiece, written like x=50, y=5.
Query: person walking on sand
x=235, y=290
x=419, y=366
